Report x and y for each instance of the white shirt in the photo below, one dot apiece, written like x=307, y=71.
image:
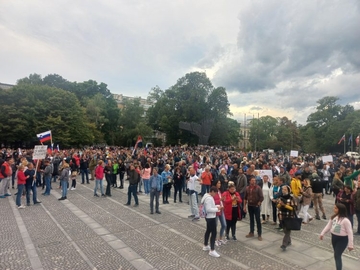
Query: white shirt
x=191, y=182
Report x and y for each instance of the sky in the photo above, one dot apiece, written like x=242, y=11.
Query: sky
x=274, y=57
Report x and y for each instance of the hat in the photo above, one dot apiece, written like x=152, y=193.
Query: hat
x=298, y=173
x=314, y=175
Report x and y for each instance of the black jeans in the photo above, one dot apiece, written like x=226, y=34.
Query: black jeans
x=231, y=224
x=166, y=191
x=339, y=244
x=122, y=179
x=274, y=211
x=132, y=189
x=210, y=229
x=178, y=188
x=254, y=212
x=108, y=178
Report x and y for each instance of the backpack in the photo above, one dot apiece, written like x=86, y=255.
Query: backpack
x=202, y=211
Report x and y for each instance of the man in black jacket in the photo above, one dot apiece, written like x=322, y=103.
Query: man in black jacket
x=317, y=188
x=133, y=182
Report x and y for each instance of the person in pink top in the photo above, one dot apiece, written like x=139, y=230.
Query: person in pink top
x=341, y=233
x=145, y=175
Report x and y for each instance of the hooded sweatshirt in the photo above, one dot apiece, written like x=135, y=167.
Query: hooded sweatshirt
x=210, y=207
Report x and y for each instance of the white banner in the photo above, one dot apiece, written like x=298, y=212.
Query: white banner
x=294, y=153
x=266, y=172
x=327, y=159
x=40, y=151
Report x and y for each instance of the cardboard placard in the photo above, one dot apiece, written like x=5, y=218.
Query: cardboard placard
x=294, y=153
x=40, y=151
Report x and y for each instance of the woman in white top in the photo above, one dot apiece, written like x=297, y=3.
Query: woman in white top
x=341, y=233
x=266, y=204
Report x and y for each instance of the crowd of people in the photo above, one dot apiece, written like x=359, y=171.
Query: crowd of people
x=230, y=185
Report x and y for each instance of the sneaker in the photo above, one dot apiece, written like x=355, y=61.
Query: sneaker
x=2, y=197
x=324, y=217
x=7, y=194
x=158, y=212
x=28, y=204
x=283, y=247
x=95, y=195
x=206, y=248
x=196, y=219
x=37, y=202
x=259, y=238
x=223, y=242
x=73, y=188
x=217, y=243
x=21, y=207
x=103, y=195
x=191, y=216
x=249, y=235
x=317, y=217
x=136, y=205
x=213, y=253
x=227, y=238
x=234, y=238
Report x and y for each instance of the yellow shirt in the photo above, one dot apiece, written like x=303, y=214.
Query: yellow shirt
x=295, y=186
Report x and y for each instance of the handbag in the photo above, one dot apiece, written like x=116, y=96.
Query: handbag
x=293, y=224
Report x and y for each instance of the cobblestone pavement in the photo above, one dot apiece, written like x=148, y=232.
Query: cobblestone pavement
x=87, y=232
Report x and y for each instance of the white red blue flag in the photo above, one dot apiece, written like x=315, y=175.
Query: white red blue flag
x=45, y=136
x=342, y=139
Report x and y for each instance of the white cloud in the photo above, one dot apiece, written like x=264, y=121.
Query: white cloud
x=277, y=55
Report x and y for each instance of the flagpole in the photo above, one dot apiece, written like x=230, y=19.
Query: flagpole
x=51, y=137
x=352, y=139
x=344, y=145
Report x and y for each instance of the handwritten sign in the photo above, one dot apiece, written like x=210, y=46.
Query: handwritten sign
x=40, y=151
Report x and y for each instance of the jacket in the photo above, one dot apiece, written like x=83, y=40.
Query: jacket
x=317, y=185
x=306, y=195
x=254, y=195
x=159, y=183
x=348, y=180
x=217, y=200
x=99, y=172
x=133, y=177
x=21, y=178
x=6, y=170
x=209, y=205
x=228, y=205
x=64, y=176
x=337, y=184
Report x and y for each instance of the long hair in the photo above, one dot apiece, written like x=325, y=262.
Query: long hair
x=342, y=213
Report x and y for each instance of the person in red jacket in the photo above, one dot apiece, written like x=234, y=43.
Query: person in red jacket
x=21, y=184
x=231, y=200
x=99, y=175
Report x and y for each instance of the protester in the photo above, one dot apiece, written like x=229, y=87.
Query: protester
x=156, y=188
x=20, y=184
x=346, y=198
x=232, y=201
x=266, y=204
x=287, y=209
x=178, y=179
x=99, y=176
x=167, y=182
x=341, y=233
x=357, y=206
x=211, y=209
x=5, y=176
x=64, y=180
x=192, y=196
x=253, y=199
x=305, y=201
x=220, y=216
x=31, y=185
x=134, y=178
x=317, y=189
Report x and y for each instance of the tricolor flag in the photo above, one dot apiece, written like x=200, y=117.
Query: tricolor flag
x=45, y=136
x=357, y=140
x=137, y=144
x=342, y=139
x=57, y=148
x=50, y=149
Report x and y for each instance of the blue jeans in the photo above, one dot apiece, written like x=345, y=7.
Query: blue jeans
x=19, y=194
x=47, y=184
x=205, y=189
x=32, y=188
x=132, y=190
x=222, y=220
x=146, y=185
x=38, y=179
x=55, y=177
x=98, y=182
x=84, y=173
x=64, y=188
